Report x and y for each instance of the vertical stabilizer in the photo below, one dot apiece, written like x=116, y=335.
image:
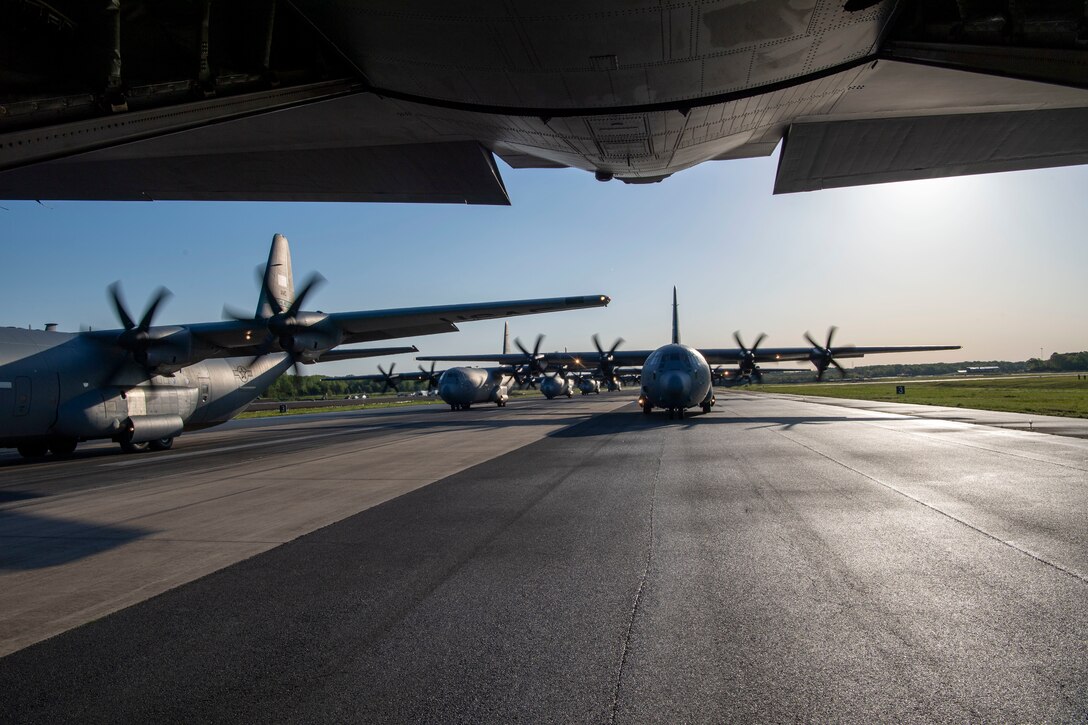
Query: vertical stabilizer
x=278, y=279
x=505, y=337
x=675, y=319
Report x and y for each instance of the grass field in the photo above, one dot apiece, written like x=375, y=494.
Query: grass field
x=400, y=402
x=1044, y=395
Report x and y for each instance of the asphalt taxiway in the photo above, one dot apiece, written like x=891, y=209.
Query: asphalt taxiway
x=775, y=560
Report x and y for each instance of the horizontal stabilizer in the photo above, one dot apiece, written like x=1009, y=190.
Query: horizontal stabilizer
x=830, y=154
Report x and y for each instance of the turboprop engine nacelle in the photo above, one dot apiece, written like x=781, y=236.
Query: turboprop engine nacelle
x=310, y=344
x=170, y=348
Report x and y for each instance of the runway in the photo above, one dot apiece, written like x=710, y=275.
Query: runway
x=776, y=560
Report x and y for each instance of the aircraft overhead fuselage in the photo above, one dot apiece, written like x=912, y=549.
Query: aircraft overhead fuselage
x=415, y=101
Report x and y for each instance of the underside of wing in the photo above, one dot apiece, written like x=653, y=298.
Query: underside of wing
x=361, y=103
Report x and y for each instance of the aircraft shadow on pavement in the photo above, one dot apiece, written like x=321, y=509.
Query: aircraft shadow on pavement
x=35, y=542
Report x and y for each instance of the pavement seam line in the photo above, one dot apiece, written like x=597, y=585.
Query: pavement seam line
x=638, y=596
x=933, y=508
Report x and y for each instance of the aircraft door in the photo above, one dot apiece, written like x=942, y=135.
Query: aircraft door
x=35, y=403
x=22, y=396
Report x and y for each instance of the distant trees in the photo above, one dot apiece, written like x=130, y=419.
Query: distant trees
x=1060, y=362
x=299, y=387
x=901, y=370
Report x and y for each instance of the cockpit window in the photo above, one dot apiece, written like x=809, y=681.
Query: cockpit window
x=675, y=360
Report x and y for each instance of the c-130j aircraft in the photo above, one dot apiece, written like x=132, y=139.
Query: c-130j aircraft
x=145, y=384
x=677, y=377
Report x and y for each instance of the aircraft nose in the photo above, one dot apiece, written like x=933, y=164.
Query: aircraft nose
x=676, y=386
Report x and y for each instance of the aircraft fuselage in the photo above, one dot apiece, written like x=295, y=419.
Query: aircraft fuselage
x=676, y=377
x=58, y=388
x=554, y=386
x=463, y=387
x=589, y=385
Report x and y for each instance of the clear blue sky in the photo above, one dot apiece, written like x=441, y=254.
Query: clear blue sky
x=996, y=263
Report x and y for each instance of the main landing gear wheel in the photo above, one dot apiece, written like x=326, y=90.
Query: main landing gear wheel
x=706, y=407
x=33, y=450
x=63, y=447
x=646, y=408
x=162, y=444
x=130, y=447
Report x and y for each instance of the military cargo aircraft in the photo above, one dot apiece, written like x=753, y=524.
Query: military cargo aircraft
x=460, y=387
x=416, y=101
x=677, y=377
x=144, y=384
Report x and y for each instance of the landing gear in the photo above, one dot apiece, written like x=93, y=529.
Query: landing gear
x=62, y=447
x=130, y=447
x=33, y=450
x=706, y=407
x=59, y=447
x=162, y=444
x=646, y=408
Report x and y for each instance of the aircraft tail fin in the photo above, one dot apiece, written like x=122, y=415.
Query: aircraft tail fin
x=277, y=278
x=505, y=338
x=675, y=319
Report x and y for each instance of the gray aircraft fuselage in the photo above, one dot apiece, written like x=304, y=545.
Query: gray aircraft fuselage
x=463, y=387
x=554, y=386
x=53, y=389
x=676, y=377
x=589, y=385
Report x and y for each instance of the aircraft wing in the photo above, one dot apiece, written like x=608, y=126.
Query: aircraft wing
x=727, y=356
x=551, y=359
x=337, y=355
x=245, y=337
x=412, y=321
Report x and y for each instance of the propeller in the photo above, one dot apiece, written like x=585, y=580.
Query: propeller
x=533, y=359
x=430, y=377
x=823, y=356
x=389, y=379
x=748, y=357
x=607, y=359
x=284, y=325
x=136, y=340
